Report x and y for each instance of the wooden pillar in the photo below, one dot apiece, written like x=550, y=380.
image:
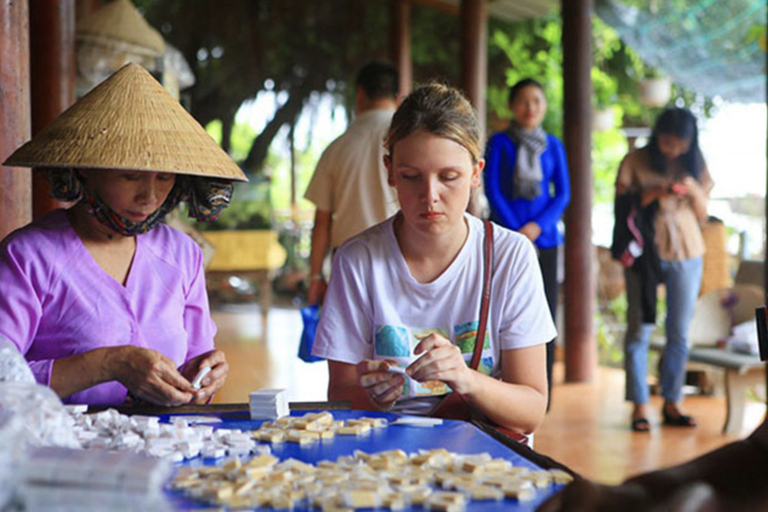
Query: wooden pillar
x=292, y=146
x=580, y=281
x=15, y=183
x=474, y=55
x=400, y=45
x=52, y=69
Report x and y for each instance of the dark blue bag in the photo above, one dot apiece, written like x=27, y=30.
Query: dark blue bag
x=310, y=316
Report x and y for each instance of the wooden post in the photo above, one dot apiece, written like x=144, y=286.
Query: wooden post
x=292, y=146
x=52, y=69
x=474, y=55
x=580, y=282
x=15, y=183
x=400, y=45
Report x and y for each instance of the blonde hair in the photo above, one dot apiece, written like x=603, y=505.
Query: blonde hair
x=440, y=110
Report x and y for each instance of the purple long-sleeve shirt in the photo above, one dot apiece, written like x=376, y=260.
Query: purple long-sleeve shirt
x=56, y=301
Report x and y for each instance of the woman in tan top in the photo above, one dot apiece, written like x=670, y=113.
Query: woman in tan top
x=672, y=184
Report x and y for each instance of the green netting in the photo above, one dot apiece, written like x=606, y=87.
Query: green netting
x=710, y=46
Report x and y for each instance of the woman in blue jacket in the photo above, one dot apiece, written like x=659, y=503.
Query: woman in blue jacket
x=526, y=181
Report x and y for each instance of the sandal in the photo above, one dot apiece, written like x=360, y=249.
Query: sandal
x=680, y=420
x=641, y=425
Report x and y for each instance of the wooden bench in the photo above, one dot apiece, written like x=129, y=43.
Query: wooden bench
x=741, y=371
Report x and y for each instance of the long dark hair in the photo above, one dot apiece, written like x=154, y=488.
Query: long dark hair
x=681, y=123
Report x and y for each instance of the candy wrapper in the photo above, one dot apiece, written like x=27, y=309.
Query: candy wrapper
x=397, y=344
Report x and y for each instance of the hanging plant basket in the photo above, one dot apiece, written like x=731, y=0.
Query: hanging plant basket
x=655, y=92
x=603, y=119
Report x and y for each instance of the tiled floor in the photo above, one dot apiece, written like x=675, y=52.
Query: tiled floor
x=266, y=356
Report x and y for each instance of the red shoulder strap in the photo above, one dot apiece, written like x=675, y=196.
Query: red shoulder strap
x=486, y=298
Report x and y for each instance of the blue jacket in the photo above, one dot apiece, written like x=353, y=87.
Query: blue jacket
x=546, y=209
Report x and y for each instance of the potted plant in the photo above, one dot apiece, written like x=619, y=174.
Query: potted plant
x=655, y=89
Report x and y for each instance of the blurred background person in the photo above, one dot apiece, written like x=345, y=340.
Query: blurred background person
x=527, y=185
x=349, y=187
x=672, y=184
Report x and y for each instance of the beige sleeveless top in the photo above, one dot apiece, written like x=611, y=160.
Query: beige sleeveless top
x=678, y=231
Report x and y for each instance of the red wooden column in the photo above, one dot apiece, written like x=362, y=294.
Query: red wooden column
x=52, y=68
x=580, y=283
x=400, y=44
x=474, y=55
x=15, y=184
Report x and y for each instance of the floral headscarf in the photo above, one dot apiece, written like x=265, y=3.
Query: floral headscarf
x=206, y=198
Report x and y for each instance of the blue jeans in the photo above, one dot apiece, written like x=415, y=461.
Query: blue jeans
x=682, y=280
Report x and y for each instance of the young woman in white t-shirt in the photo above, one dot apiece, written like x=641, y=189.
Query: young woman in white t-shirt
x=407, y=292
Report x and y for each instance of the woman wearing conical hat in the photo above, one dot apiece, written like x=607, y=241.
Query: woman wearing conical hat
x=106, y=303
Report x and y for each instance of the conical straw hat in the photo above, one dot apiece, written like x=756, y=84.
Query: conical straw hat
x=129, y=121
x=119, y=22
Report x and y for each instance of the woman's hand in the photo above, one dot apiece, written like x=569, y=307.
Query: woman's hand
x=442, y=360
x=692, y=189
x=149, y=375
x=650, y=195
x=690, y=184
x=383, y=388
x=679, y=188
x=697, y=195
x=316, y=292
x=531, y=231
x=211, y=383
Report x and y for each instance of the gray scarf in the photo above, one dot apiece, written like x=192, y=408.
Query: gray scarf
x=530, y=145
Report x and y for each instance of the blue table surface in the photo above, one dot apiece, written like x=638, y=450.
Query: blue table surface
x=456, y=436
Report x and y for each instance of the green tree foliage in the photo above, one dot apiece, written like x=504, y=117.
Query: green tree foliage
x=435, y=46
x=237, y=48
x=527, y=49
x=296, y=48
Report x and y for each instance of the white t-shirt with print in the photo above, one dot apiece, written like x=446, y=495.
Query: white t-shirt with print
x=375, y=309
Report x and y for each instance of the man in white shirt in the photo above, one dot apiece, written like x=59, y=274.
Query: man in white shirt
x=349, y=186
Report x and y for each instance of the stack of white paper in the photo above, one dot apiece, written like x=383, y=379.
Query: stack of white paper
x=268, y=404
x=62, y=479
